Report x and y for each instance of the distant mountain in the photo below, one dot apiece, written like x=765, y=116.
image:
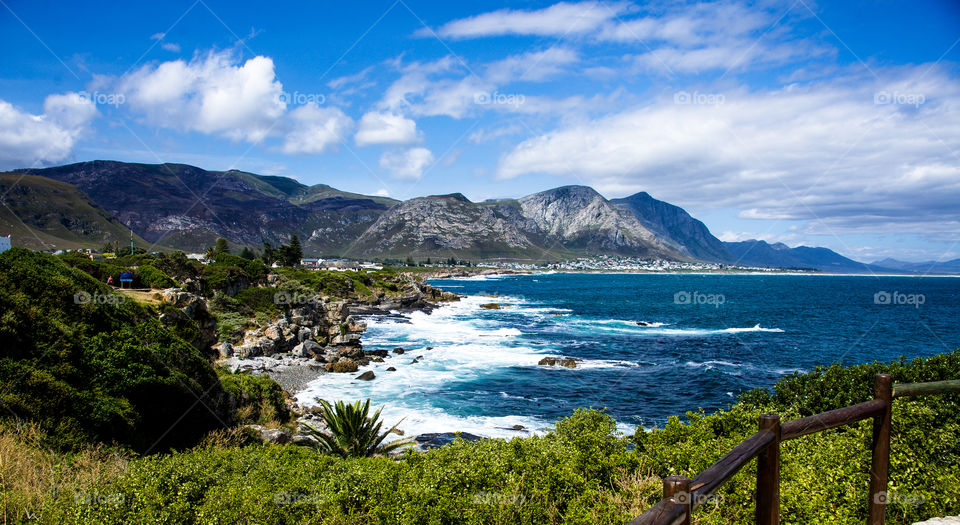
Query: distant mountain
x=44, y=214
x=674, y=226
x=937, y=267
x=555, y=224
x=186, y=207
x=779, y=255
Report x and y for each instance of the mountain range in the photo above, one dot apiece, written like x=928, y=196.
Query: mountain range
x=185, y=207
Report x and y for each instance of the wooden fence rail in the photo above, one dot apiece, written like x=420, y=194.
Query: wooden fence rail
x=682, y=496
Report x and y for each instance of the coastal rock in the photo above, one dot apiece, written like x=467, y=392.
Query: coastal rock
x=273, y=332
x=391, y=369
x=308, y=348
x=567, y=362
x=398, y=350
x=343, y=366
x=351, y=352
x=304, y=334
x=225, y=349
x=367, y=376
x=304, y=440
x=490, y=306
x=346, y=340
x=269, y=435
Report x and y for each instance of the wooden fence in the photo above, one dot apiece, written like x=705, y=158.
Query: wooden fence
x=681, y=496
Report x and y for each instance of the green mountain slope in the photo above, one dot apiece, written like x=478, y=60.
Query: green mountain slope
x=45, y=214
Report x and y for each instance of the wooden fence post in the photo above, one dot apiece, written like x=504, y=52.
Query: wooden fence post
x=678, y=489
x=882, y=389
x=768, y=474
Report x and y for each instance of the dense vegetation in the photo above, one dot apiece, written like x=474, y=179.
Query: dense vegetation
x=88, y=365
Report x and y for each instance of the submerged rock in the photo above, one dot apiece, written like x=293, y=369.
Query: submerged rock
x=567, y=362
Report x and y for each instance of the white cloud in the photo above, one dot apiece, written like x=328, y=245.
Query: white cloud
x=532, y=66
x=408, y=164
x=315, y=129
x=557, y=20
x=169, y=46
x=685, y=38
x=825, y=152
x=385, y=128
x=27, y=140
x=212, y=94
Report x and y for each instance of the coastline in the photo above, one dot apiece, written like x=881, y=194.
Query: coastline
x=513, y=272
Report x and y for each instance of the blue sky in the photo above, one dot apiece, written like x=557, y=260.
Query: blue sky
x=831, y=124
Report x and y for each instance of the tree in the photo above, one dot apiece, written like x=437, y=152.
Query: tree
x=294, y=251
x=269, y=255
x=221, y=247
x=352, y=432
x=247, y=254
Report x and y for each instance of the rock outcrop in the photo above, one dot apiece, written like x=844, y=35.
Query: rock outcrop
x=566, y=362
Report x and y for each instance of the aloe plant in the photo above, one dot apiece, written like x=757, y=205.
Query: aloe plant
x=352, y=432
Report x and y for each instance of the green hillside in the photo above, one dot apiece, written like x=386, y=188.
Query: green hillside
x=45, y=214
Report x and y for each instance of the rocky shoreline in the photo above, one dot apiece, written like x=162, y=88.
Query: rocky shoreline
x=314, y=337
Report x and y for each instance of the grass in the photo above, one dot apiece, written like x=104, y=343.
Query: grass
x=33, y=478
x=142, y=297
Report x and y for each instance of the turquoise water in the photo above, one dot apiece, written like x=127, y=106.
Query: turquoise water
x=705, y=339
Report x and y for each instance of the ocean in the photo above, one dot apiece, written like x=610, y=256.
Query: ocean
x=700, y=341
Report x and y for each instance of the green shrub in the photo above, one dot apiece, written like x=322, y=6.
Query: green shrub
x=257, y=398
x=353, y=431
x=151, y=277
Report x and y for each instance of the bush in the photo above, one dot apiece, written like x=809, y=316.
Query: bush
x=151, y=277
x=258, y=399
